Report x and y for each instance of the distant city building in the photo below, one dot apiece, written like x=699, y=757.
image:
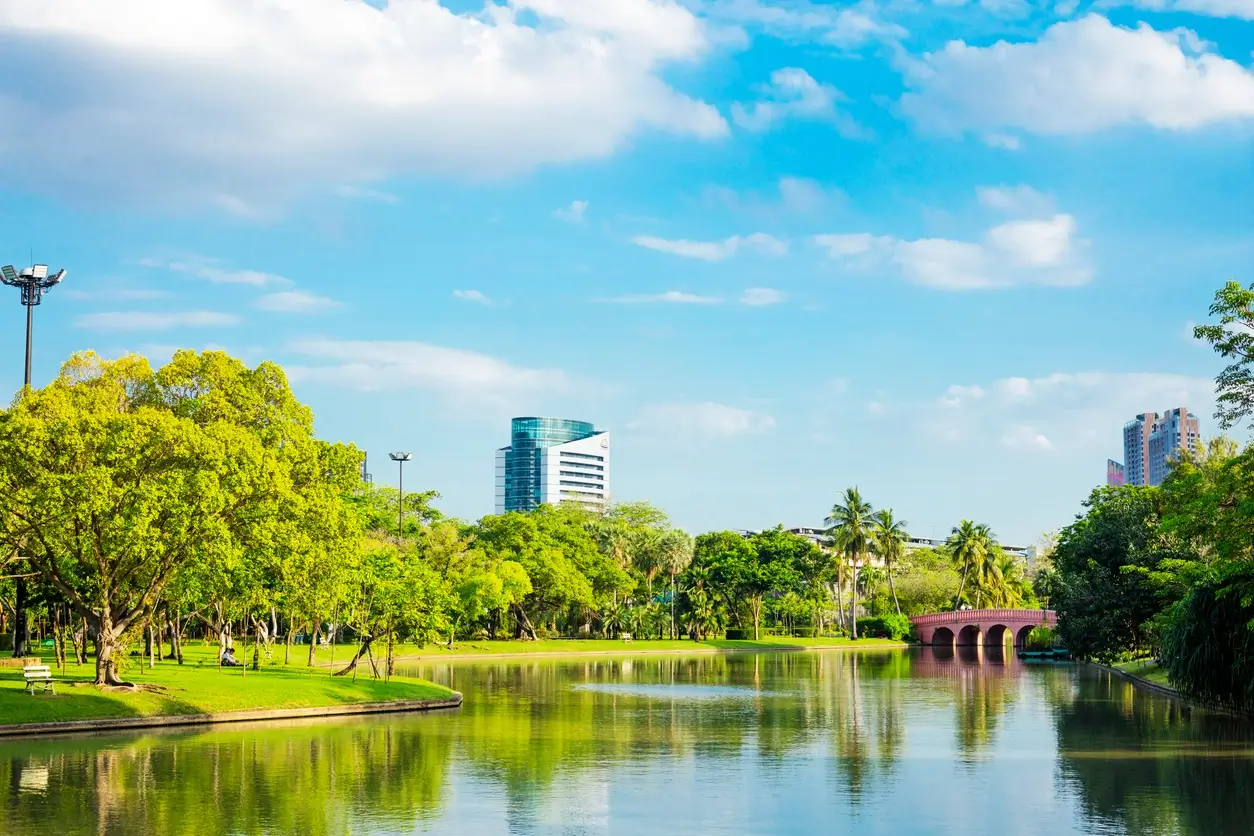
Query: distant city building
x=1136, y=436
x=550, y=461
x=365, y=472
x=1175, y=430
x=1114, y=474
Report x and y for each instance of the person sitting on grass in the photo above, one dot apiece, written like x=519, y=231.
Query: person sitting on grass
x=228, y=659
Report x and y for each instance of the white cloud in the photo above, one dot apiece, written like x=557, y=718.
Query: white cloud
x=761, y=296
x=464, y=375
x=1041, y=252
x=758, y=242
x=961, y=395
x=352, y=192
x=472, y=296
x=1015, y=200
x=701, y=419
x=209, y=270
x=1241, y=9
x=794, y=94
x=154, y=321
x=296, y=301
x=242, y=103
x=573, y=213
x=1084, y=75
x=675, y=297
x=798, y=195
x=1006, y=142
x=1024, y=435
x=113, y=294
x=1071, y=413
x=801, y=20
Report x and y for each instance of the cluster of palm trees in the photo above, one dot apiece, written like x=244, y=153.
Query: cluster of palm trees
x=859, y=532
x=996, y=577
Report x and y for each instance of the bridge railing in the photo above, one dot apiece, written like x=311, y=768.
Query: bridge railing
x=976, y=616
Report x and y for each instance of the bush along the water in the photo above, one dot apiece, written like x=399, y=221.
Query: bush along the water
x=736, y=634
x=896, y=627
x=1041, y=638
x=1208, y=647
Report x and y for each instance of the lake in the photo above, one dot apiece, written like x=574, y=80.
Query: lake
x=870, y=742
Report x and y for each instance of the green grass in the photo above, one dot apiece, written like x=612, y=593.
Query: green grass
x=1146, y=669
x=199, y=687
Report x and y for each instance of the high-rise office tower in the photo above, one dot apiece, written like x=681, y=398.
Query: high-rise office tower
x=550, y=461
x=1175, y=430
x=1136, y=436
x=1114, y=474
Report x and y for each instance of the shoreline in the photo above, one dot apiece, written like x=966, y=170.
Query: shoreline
x=1171, y=693
x=885, y=644
x=17, y=730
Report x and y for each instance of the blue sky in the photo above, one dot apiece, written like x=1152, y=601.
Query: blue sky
x=941, y=251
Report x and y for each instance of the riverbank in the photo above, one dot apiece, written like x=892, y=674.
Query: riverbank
x=509, y=649
x=1145, y=673
x=202, y=693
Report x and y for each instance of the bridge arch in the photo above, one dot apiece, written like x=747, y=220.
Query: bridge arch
x=1021, y=638
x=995, y=636
x=972, y=627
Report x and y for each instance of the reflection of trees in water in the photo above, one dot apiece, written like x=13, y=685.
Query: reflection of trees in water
x=984, y=688
x=1155, y=767
x=295, y=779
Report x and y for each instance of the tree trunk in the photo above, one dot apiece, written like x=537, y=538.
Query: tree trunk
x=961, y=586
x=313, y=639
x=893, y=589
x=755, y=610
x=79, y=637
x=525, y=629
x=106, y=644
x=853, y=603
x=361, y=651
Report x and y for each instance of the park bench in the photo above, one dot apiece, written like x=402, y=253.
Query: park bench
x=625, y=636
x=39, y=676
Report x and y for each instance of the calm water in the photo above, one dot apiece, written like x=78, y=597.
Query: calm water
x=899, y=742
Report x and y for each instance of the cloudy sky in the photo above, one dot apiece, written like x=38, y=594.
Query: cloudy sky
x=938, y=250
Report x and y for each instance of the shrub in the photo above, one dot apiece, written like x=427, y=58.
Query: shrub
x=896, y=627
x=738, y=634
x=1041, y=638
x=804, y=632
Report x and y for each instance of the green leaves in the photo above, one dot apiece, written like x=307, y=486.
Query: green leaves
x=1233, y=339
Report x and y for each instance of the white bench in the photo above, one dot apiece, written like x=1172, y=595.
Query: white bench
x=625, y=636
x=39, y=676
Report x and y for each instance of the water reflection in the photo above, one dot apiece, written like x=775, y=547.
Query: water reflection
x=932, y=741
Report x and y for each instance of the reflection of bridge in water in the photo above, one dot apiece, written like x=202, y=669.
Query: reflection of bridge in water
x=970, y=628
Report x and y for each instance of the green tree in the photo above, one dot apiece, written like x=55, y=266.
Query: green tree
x=853, y=521
x=1104, y=595
x=1233, y=339
x=889, y=536
x=118, y=476
x=674, y=553
x=967, y=546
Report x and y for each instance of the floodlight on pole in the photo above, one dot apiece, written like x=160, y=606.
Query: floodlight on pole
x=32, y=281
x=400, y=459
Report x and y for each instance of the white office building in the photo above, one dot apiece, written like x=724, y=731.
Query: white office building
x=551, y=461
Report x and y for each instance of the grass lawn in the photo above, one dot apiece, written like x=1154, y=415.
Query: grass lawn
x=199, y=687
x=1146, y=669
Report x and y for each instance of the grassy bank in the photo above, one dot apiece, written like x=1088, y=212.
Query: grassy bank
x=198, y=687
x=1146, y=669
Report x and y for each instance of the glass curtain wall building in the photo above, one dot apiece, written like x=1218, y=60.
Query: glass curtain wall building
x=550, y=461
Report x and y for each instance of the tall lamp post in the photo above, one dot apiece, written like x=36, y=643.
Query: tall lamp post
x=400, y=459
x=32, y=281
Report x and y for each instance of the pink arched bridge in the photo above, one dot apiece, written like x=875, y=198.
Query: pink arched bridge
x=975, y=627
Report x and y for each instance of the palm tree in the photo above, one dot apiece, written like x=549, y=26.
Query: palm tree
x=851, y=518
x=988, y=578
x=890, y=544
x=966, y=545
x=673, y=553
